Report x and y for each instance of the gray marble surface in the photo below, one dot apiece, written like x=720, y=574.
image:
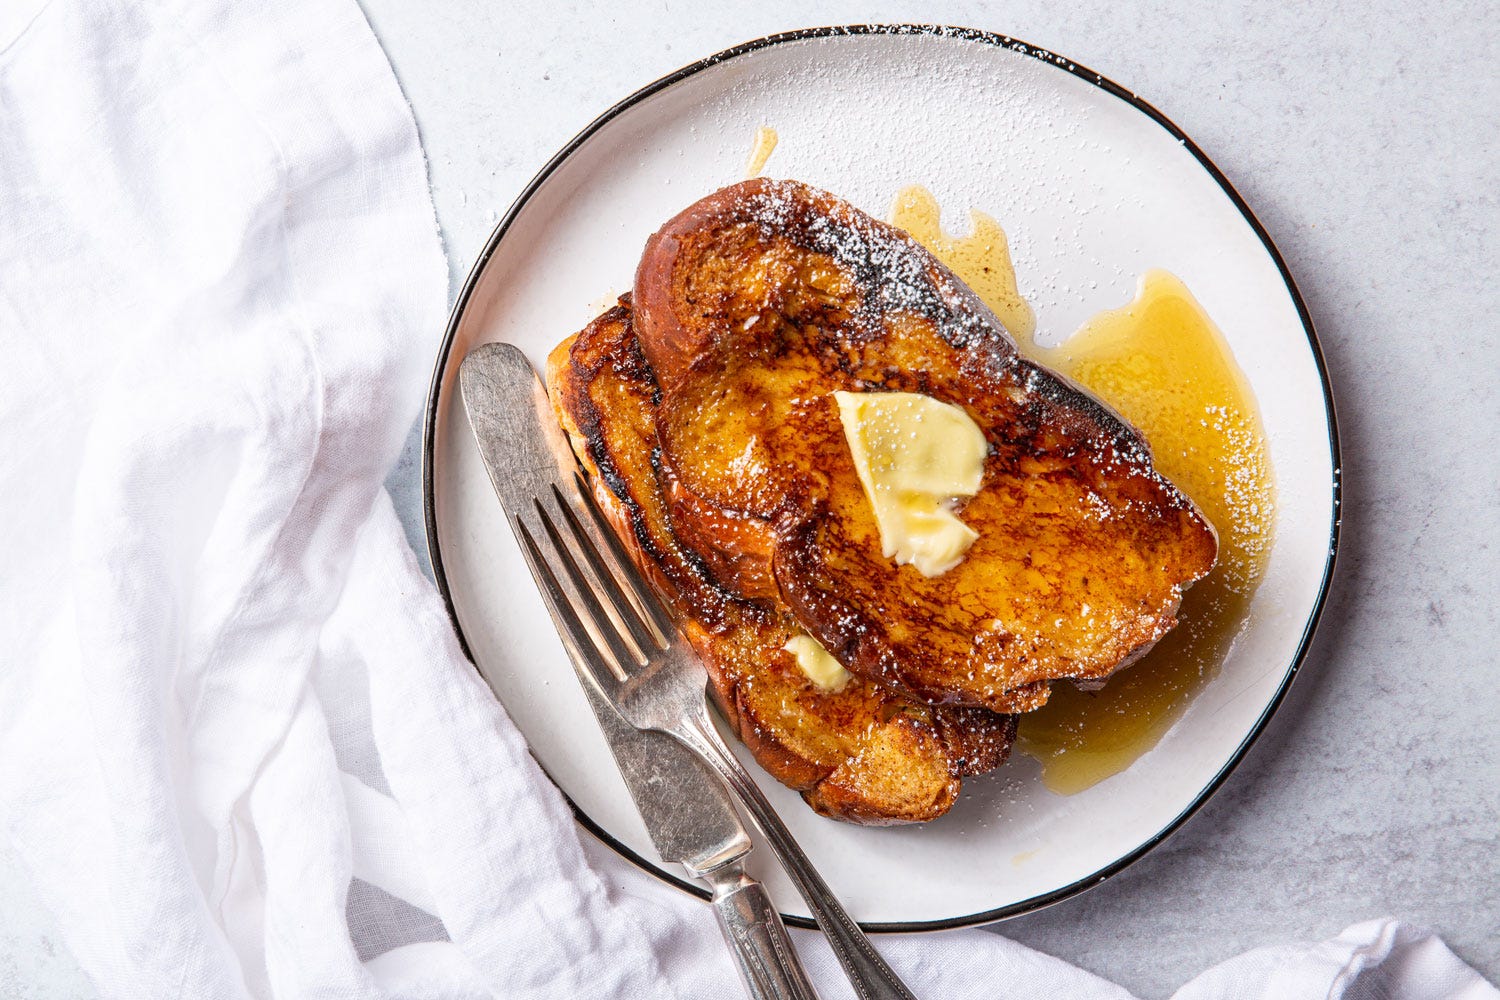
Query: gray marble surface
x=1365, y=136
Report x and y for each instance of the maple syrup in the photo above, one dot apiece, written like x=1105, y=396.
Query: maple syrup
x=1164, y=366
x=761, y=149
x=982, y=258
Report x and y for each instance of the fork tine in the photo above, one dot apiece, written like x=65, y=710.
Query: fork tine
x=602, y=671
x=625, y=572
x=628, y=612
x=626, y=655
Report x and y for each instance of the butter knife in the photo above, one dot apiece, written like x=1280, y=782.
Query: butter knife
x=687, y=812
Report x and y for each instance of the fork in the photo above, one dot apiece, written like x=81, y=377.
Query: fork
x=616, y=627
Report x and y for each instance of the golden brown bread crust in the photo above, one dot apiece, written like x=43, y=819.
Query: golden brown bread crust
x=758, y=302
x=866, y=754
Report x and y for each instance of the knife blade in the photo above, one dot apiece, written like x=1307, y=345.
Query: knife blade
x=687, y=812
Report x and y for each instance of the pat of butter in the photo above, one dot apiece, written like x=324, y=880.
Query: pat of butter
x=817, y=663
x=915, y=457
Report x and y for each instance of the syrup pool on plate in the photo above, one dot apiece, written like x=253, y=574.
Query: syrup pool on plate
x=1160, y=362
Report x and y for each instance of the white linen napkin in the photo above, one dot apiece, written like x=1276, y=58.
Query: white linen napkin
x=241, y=754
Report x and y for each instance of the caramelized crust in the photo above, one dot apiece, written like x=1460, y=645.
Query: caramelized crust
x=866, y=754
x=757, y=303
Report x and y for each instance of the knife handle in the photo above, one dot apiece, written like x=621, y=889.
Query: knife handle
x=768, y=965
x=868, y=973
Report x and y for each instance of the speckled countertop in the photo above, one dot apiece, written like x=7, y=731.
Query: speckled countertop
x=1364, y=136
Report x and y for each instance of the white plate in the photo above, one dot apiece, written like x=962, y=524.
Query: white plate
x=1094, y=187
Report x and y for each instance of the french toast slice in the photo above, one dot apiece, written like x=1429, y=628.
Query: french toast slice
x=865, y=753
x=754, y=306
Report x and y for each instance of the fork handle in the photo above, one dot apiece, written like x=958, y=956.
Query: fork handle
x=769, y=968
x=871, y=978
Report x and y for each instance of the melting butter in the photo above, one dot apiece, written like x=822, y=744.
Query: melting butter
x=761, y=149
x=916, y=457
x=817, y=663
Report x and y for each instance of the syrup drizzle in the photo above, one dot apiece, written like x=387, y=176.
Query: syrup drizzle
x=1163, y=365
x=761, y=149
x=982, y=258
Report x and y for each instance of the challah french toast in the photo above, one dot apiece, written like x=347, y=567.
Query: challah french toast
x=864, y=752
x=762, y=311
